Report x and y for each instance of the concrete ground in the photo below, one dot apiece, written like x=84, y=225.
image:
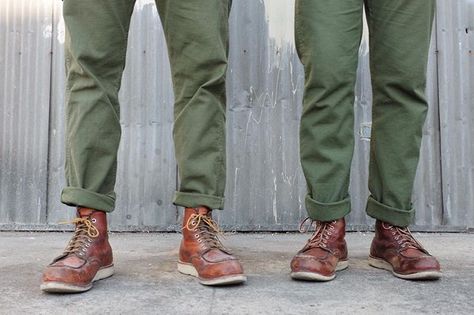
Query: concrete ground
x=146, y=281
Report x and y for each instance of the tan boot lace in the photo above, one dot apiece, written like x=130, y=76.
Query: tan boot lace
x=85, y=230
x=323, y=230
x=403, y=237
x=206, y=230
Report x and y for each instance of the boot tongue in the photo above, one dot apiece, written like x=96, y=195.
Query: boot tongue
x=72, y=260
x=84, y=212
x=204, y=211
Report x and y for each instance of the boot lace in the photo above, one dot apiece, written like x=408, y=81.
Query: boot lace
x=206, y=230
x=403, y=237
x=321, y=235
x=82, y=238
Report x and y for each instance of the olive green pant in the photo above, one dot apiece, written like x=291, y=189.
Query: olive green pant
x=328, y=35
x=96, y=42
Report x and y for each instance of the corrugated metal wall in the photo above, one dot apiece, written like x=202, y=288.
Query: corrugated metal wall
x=25, y=81
x=265, y=188
x=456, y=110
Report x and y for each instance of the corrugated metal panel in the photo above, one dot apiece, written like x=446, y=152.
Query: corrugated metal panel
x=266, y=187
x=147, y=167
x=456, y=97
x=56, y=177
x=265, y=184
x=25, y=61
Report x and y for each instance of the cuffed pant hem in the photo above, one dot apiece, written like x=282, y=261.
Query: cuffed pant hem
x=78, y=197
x=327, y=211
x=191, y=200
x=394, y=216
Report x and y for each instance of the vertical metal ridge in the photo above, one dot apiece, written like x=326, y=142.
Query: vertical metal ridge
x=44, y=218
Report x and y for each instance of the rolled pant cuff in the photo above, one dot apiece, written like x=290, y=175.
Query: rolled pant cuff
x=394, y=216
x=327, y=211
x=192, y=200
x=78, y=197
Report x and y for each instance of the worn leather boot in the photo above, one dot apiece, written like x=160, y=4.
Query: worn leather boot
x=87, y=257
x=202, y=255
x=324, y=253
x=395, y=249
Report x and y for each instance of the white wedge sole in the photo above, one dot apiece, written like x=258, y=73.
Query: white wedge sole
x=311, y=276
x=61, y=287
x=422, y=275
x=188, y=269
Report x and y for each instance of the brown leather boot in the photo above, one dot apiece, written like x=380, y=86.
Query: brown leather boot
x=395, y=249
x=324, y=253
x=87, y=257
x=201, y=253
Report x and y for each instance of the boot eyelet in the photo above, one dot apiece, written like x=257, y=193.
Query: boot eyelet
x=94, y=220
x=199, y=240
